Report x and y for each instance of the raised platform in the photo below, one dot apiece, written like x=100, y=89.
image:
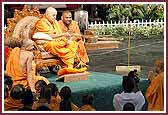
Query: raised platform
x=102, y=86
x=102, y=45
x=74, y=77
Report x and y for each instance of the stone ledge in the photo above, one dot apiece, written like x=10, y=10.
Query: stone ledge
x=102, y=45
x=74, y=77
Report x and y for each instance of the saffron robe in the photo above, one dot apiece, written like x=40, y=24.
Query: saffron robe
x=155, y=93
x=87, y=108
x=55, y=103
x=12, y=104
x=14, y=70
x=59, y=46
x=74, y=28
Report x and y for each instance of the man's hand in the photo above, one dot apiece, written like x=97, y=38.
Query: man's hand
x=69, y=42
x=67, y=34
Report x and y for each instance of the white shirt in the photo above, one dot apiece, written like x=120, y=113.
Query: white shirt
x=120, y=100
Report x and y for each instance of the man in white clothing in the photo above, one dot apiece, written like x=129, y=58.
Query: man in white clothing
x=128, y=96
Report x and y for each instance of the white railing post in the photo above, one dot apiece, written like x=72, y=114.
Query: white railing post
x=92, y=26
x=126, y=23
x=154, y=22
x=146, y=23
x=100, y=27
x=107, y=24
x=115, y=23
x=142, y=23
x=162, y=23
x=103, y=28
x=150, y=22
x=103, y=23
x=96, y=25
x=123, y=23
x=119, y=22
x=131, y=24
x=157, y=22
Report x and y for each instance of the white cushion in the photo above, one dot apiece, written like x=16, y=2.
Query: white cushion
x=40, y=35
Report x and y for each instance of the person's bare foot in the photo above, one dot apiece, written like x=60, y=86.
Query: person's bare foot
x=81, y=65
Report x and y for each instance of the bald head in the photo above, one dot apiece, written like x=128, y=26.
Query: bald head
x=50, y=10
x=28, y=44
x=66, y=12
x=67, y=17
x=51, y=14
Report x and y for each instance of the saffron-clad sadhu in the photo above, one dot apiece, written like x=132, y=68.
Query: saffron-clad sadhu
x=14, y=101
x=68, y=25
x=87, y=108
x=155, y=91
x=87, y=101
x=54, y=103
x=58, y=45
x=12, y=104
x=19, y=66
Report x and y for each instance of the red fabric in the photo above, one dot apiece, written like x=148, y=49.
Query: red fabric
x=6, y=53
x=72, y=6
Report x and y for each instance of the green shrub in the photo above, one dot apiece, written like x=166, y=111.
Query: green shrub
x=137, y=32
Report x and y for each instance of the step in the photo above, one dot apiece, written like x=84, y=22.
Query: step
x=74, y=77
x=102, y=45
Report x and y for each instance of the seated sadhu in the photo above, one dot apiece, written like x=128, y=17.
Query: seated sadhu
x=68, y=25
x=155, y=91
x=20, y=65
x=56, y=42
x=14, y=101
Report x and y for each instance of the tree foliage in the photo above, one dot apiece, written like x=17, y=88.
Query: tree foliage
x=122, y=12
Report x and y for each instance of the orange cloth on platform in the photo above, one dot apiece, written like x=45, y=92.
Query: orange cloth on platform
x=155, y=93
x=58, y=47
x=12, y=104
x=70, y=71
x=14, y=70
x=74, y=28
x=87, y=108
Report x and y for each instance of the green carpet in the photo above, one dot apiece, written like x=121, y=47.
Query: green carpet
x=102, y=86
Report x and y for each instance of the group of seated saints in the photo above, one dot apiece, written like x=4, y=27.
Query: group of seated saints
x=61, y=38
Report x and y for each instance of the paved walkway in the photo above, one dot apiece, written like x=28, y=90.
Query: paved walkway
x=102, y=45
x=143, y=53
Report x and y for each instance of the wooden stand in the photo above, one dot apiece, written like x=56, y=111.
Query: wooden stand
x=74, y=77
x=128, y=68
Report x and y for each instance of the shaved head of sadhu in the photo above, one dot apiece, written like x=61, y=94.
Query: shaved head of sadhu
x=51, y=14
x=66, y=17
